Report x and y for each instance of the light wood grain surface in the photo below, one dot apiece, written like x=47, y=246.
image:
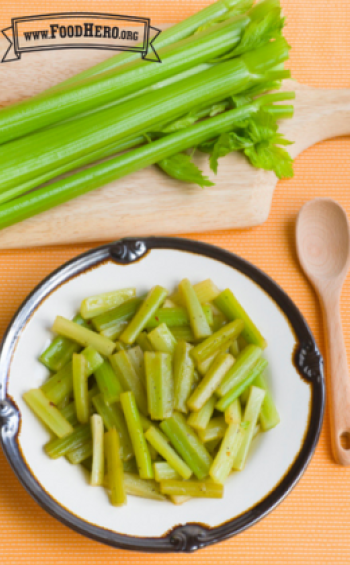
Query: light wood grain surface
x=148, y=202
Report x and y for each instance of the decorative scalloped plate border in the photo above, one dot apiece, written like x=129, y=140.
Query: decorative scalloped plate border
x=188, y=537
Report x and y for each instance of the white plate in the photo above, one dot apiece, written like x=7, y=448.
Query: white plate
x=278, y=457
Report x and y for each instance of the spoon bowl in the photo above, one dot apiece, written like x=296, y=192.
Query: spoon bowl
x=323, y=247
x=323, y=239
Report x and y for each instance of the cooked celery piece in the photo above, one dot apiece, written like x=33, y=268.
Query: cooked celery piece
x=214, y=430
x=115, y=470
x=229, y=305
x=219, y=320
x=80, y=388
x=179, y=499
x=162, y=471
x=143, y=342
x=208, y=385
x=61, y=349
x=160, y=384
x=113, y=417
x=183, y=333
x=145, y=423
x=230, y=445
x=130, y=466
x=234, y=348
x=140, y=487
x=206, y=291
x=170, y=316
x=81, y=335
x=149, y=306
x=187, y=444
x=152, y=451
x=64, y=402
x=198, y=321
x=61, y=446
x=45, y=410
x=250, y=417
x=217, y=340
x=119, y=315
x=69, y=411
x=97, y=305
x=129, y=379
x=203, y=366
x=119, y=346
x=269, y=417
x=135, y=355
x=161, y=443
x=108, y=382
x=87, y=464
x=81, y=453
x=244, y=396
x=183, y=375
x=162, y=339
x=133, y=421
x=98, y=458
x=199, y=420
x=198, y=489
x=176, y=316
x=242, y=343
x=113, y=332
x=168, y=304
x=61, y=384
x=243, y=365
x=212, y=445
x=233, y=414
x=236, y=391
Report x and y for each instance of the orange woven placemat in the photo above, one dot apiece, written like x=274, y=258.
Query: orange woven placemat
x=312, y=526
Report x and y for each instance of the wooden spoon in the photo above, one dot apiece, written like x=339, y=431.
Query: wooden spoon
x=323, y=246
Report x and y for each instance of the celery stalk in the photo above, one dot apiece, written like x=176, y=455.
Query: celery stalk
x=161, y=443
x=113, y=417
x=97, y=305
x=229, y=305
x=183, y=375
x=214, y=430
x=210, y=382
x=115, y=469
x=80, y=388
x=162, y=339
x=128, y=378
x=201, y=489
x=236, y=391
x=79, y=183
x=198, y=321
x=44, y=409
x=68, y=141
x=61, y=384
x=199, y=420
x=251, y=415
x=160, y=385
x=97, y=431
x=217, y=340
x=243, y=365
x=61, y=103
x=108, y=382
x=58, y=447
x=61, y=349
x=179, y=31
x=84, y=336
x=187, y=444
x=149, y=306
x=138, y=440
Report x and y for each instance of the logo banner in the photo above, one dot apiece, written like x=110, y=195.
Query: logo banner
x=78, y=30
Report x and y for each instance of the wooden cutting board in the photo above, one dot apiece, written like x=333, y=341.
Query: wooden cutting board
x=148, y=202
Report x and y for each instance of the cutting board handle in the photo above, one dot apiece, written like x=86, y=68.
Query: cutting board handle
x=319, y=114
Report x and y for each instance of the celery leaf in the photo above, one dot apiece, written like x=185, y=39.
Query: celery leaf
x=181, y=167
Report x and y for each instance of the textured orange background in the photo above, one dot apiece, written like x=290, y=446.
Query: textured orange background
x=313, y=524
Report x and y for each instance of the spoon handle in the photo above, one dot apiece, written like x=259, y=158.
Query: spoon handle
x=337, y=377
